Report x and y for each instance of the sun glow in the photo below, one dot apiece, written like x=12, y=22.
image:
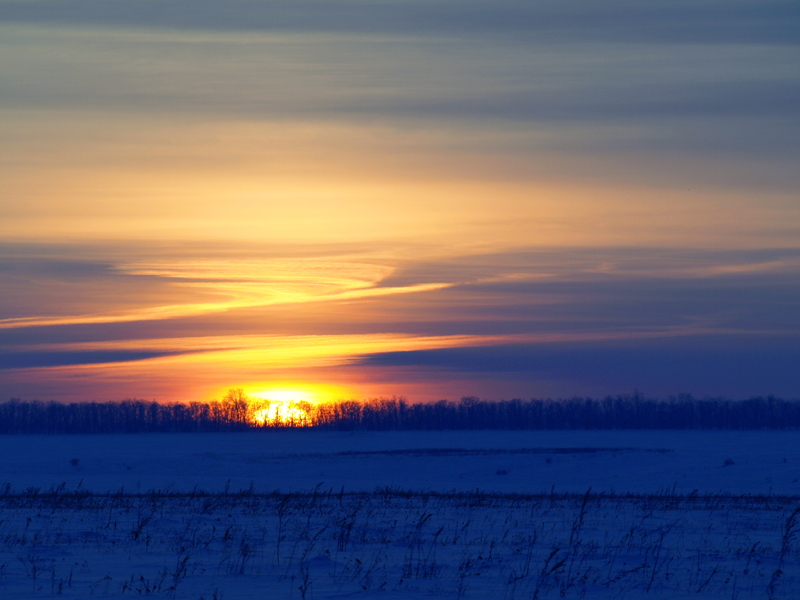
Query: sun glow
x=290, y=405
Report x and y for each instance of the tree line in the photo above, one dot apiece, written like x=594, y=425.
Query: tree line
x=236, y=412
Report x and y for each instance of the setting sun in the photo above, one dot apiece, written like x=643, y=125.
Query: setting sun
x=282, y=413
x=289, y=404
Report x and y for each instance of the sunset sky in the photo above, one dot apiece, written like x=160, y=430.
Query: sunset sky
x=426, y=198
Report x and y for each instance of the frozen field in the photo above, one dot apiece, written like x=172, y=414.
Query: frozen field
x=763, y=462
x=309, y=514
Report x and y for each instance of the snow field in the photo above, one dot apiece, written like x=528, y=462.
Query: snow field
x=323, y=515
x=391, y=543
x=734, y=462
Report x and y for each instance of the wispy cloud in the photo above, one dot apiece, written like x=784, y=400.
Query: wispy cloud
x=243, y=284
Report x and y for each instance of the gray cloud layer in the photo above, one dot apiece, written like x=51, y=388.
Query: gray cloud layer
x=706, y=21
x=706, y=78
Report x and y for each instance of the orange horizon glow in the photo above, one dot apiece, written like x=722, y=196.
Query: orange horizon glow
x=290, y=391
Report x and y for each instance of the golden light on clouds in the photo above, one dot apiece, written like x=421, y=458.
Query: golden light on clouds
x=243, y=284
x=296, y=182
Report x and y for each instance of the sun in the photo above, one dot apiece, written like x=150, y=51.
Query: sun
x=288, y=403
x=281, y=413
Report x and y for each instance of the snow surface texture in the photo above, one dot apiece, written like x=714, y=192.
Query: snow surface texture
x=330, y=515
x=763, y=462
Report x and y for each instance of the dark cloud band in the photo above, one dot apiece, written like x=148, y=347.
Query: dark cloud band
x=27, y=360
x=710, y=20
x=732, y=366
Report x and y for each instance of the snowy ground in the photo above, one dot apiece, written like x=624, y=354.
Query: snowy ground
x=328, y=515
x=517, y=462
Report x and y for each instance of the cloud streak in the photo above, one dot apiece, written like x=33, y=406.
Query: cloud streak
x=29, y=360
x=707, y=21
